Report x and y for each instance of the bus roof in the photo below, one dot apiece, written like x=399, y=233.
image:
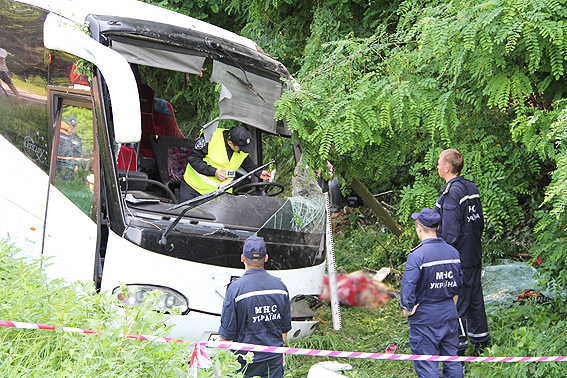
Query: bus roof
x=78, y=11
x=148, y=35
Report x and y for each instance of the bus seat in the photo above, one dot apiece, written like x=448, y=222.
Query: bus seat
x=171, y=157
x=126, y=185
x=148, y=127
x=164, y=119
x=127, y=159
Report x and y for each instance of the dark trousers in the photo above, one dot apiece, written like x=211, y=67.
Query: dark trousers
x=441, y=340
x=186, y=192
x=5, y=77
x=272, y=368
x=470, y=306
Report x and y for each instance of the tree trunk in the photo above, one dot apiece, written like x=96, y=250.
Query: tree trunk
x=376, y=207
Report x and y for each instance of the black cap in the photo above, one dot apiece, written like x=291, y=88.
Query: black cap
x=428, y=217
x=241, y=138
x=254, y=248
x=71, y=120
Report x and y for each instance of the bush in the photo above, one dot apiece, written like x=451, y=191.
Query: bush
x=369, y=246
x=27, y=296
x=529, y=330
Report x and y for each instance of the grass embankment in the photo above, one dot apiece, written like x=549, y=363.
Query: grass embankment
x=363, y=330
x=517, y=330
x=359, y=242
x=27, y=296
x=527, y=330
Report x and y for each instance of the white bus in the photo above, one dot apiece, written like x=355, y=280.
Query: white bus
x=92, y=157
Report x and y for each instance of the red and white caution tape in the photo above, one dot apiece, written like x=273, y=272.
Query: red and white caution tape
x=199, y=360
x=20, y=325
x=74, y=158
x=374, y=356
x=203, y=360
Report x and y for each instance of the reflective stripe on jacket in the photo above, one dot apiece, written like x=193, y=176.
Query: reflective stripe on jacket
x=217, y=157
x=462, y=220
x=432, y=276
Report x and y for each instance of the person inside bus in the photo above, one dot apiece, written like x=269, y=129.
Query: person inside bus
x=70, y=148
x=4, y=76
x=211, y=165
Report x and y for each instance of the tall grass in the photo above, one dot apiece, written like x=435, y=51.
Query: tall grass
x=364, y=330
x=26, y=295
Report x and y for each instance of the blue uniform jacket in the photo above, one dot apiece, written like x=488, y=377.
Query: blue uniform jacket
x=256, y=310
x=462, y=220
x=432, y=277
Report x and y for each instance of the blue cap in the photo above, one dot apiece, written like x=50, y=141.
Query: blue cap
x=71, y=120
x=254, y=248
x=428, y=217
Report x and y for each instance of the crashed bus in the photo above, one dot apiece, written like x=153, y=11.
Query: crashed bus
x=93, y=156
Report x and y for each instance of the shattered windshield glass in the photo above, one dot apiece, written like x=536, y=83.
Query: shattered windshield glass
x=304, y=212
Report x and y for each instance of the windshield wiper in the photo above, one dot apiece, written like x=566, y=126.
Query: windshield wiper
x=246, y=83
x=197, y=201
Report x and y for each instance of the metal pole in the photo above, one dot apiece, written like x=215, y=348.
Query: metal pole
x=331, y=269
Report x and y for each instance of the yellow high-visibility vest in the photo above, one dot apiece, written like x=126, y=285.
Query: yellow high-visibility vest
x=217, y=157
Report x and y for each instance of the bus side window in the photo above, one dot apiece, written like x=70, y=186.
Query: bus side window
x=23, y=78
x=74, y=171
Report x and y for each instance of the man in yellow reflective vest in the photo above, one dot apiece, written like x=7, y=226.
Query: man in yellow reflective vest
x=210, y=165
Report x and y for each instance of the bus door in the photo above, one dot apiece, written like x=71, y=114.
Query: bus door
x=70, y=233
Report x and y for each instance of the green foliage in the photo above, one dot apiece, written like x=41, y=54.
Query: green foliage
x=214, y=12
x=419, y=195
x=85, y=67
x=386, y=86
x=505, y=49
x=542, y=134
x=292, y=30
x=361, y=242
x=280, y=150
x=27, y=296
x=529, y=330
x=550, y=246
x=460, y=75
x=335, y=113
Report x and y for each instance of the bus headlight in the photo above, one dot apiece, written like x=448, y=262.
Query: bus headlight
x=167, y=300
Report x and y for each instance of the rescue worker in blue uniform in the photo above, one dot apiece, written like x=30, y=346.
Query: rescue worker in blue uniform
x=69, y=150
x=428, y=297
x=208, y=163
x=462, y=224
x=256, y=310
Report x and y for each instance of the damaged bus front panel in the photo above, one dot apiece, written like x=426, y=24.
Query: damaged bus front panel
x=114, y=154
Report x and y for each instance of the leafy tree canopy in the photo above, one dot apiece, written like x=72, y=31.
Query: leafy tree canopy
x=386, y=86
x=453, y=74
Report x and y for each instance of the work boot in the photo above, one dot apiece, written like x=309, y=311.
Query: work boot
x=479, y=348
